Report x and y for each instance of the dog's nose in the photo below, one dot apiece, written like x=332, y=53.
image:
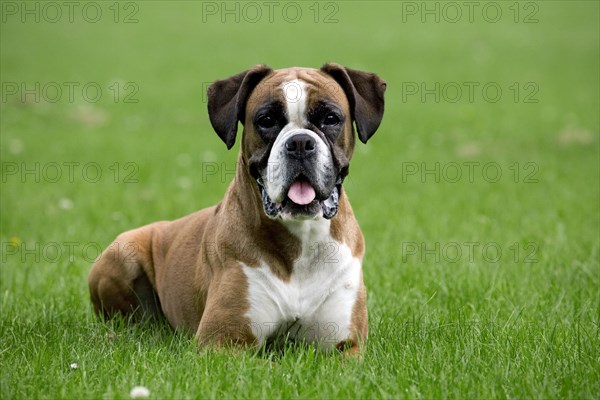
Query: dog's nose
x=301, y=145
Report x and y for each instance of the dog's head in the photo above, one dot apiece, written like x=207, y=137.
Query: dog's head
x=298, y=135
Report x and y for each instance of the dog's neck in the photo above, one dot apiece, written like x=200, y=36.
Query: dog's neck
x=285, y=240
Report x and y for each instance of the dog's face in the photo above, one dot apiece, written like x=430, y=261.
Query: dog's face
x=298, y=134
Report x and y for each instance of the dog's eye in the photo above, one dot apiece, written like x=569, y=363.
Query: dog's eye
x=331, y=119
x=266, y=122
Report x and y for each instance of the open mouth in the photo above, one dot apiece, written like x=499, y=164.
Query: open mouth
x=301, y=200
x=301, y=192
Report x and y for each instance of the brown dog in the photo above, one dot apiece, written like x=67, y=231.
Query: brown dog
x=281, y=256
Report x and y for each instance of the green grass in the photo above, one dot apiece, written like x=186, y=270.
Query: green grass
x=522, y=325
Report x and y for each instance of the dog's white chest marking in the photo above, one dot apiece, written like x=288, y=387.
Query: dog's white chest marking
x=316, y=304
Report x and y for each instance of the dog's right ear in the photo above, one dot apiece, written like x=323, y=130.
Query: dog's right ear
x=227, y=101
x=365, y=94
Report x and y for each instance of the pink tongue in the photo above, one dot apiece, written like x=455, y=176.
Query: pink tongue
x=301, y=193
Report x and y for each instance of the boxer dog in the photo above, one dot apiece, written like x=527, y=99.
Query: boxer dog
x=280, y=257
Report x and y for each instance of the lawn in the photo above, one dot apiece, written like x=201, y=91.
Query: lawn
x=478, y=196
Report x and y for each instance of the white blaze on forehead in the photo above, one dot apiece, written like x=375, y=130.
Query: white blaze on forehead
x=296, y=99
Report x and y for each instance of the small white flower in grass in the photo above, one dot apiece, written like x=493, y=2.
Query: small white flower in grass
x=74, y=366
x=139, y=392
x=15, y=146
x=65, y=203
x=184, y=182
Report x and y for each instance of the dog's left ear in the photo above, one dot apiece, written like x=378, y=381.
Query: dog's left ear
x=364, y=91
x=227, y=101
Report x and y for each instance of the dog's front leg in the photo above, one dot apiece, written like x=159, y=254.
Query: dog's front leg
x=224, y=321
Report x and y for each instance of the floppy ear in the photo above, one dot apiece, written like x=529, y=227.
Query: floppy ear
x=227, y=101
x=364, y=91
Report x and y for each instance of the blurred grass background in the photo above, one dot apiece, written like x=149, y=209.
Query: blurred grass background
x=511, y=328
